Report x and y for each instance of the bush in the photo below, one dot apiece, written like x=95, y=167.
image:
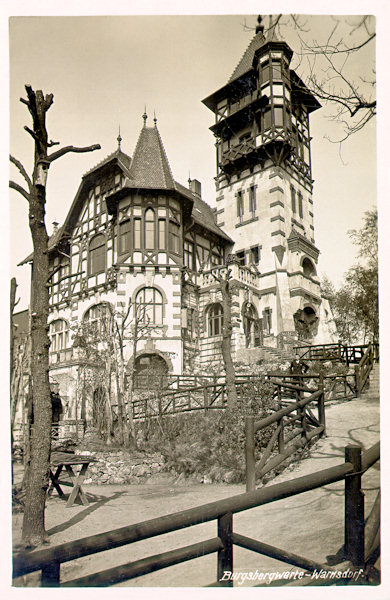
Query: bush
x=212, y=444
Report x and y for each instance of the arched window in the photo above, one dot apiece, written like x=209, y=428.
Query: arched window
x=97, y=320
x=97, y=255
x=215, y=319
x=151, y=372
x=59, y=335
x=308, y=268
x=149, y=303
x=150, y=225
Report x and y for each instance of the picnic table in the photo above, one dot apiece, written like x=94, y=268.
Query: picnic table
x=65, y=460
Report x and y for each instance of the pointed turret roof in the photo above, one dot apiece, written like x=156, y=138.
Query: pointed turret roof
x=150, y=167
x=246, y=62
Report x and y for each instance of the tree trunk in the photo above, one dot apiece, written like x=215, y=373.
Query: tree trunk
x=38, y=450
x=227, y=331
x=38, y=464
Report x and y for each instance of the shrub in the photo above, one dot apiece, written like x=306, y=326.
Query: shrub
x=210, y=444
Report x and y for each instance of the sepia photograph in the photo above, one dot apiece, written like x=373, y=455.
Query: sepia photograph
x=194, y=316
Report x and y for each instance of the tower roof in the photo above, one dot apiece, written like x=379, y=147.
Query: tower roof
x=150, y=167
x=246, y=62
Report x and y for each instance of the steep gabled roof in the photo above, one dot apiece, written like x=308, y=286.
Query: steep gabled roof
x=246, y=62
x=150, y=167
x=120, y=157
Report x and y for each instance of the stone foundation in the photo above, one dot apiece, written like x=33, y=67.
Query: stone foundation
x=121, y=467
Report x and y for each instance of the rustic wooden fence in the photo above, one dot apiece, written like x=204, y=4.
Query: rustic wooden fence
x=340, y=352
x=209, y=393
x=295, y=425
x=361, y=541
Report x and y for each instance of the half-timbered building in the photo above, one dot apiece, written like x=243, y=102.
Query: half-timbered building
x=135, y=237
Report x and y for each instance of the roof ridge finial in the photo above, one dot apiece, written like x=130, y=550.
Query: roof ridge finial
x=145, y=116
x=259, y=27
x=155, y=119
x=119, y=139
x=189, y=178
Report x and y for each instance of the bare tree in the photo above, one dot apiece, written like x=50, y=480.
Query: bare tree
x=223, y=276
x=38, y=466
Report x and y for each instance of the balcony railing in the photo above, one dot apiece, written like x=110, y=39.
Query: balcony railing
x=238, y=272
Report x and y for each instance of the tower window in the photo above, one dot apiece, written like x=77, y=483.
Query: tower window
x=174, y=237
x=267, y=320
x=276, y=70
x=293, y=200
x=124, y=237
x=308, y=268
x=149, y=229
x=240, y=205
x=215, y=320
x=267, y=120
x=161, y=234
x=278, y=116
x=255, y=255
x=137, y=234
x=300, y=207
x=252, y=199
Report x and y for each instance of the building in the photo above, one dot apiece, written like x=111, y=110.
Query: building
x=137, y=240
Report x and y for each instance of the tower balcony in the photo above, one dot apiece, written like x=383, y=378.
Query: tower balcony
x=237, y=151
x=300, y=284
x=234, y=107
x=244, y=275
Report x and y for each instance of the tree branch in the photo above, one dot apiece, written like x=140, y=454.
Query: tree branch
x=18, y=188
x=21, y=169
x=33, y=134
x=67, y=149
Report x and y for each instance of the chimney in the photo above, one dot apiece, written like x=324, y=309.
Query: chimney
x=55, y=227
x=195, y=187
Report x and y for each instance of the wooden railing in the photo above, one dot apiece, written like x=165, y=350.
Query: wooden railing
x=295, y=426
x=359, y=546
x=340, y=352
x=364, y=367
x=337, y=386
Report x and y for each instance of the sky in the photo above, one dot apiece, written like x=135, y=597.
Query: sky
x=104, y=70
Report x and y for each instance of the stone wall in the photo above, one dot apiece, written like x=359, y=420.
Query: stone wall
x=120, y=467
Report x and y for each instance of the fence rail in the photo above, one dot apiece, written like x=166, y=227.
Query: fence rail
x=209, y=393
x=296, y=426
x=341, y=352
x=49, y=561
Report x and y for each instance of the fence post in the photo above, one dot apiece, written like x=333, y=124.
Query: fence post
x=50, y=576
x=205, y=398
x=357, y=380
x=280, y=423
x=225, y=555
x=346, y=354
x=321, y=404
x=250, y=463
x=354, y=508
